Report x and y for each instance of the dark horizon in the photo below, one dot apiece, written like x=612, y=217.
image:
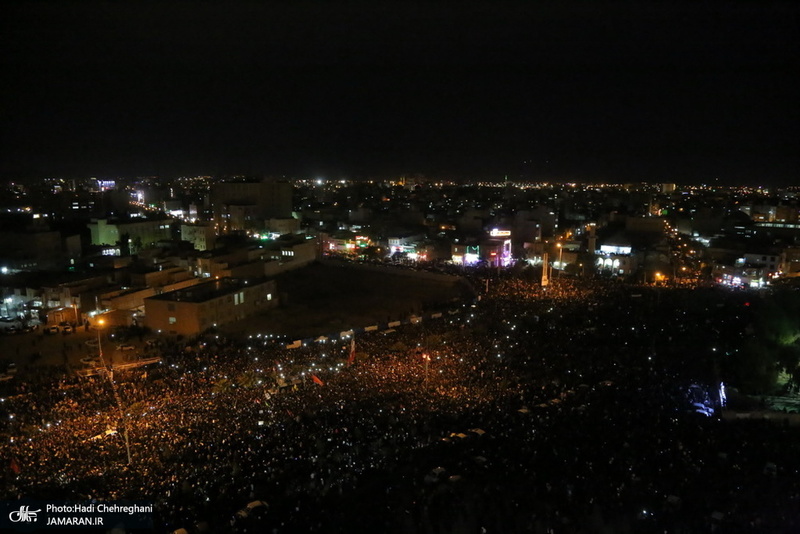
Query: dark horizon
x=568, y=92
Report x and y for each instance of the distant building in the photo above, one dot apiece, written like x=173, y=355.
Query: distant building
x=790, y=261
x=192, y=310
x=654, y=225
x=201, y=236
x=269, y=258
x=283, y=225
x=768, y=262
x=616, y=257
x=468, y=253
x=37, y=249
x=242, y=262
x=140, y=233
x=291, y=253
x=156, y=278
x=246, y=205
x=340, y=242
x=404, y=243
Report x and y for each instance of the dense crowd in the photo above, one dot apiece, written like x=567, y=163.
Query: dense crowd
x=558, y=409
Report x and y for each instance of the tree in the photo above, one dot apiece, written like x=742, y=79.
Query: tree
x=136, y=245
x=124, y=244
x=753, y=368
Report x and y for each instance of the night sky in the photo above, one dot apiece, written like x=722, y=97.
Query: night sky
x=567, y=91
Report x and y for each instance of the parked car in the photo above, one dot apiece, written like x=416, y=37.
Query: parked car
x=67, y=329
x=51, y=330
x=124, y=348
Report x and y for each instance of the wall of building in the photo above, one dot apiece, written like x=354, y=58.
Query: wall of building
x=201, y=236
x=190, y=318
x=36, y=250
x=106, y=232
x=231, y=203
x=160, y=278
x=282, y=226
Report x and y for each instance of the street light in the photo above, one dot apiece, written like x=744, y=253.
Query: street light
x=100, y=323
x=560, y=255
x=110, y=375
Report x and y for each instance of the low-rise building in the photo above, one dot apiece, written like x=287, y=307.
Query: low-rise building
x=192, y=310
x=201, y=236
x=139, y=234
x=283, y=225
x=37, y=248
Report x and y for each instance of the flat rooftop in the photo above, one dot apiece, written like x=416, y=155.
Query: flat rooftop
x=209, y=290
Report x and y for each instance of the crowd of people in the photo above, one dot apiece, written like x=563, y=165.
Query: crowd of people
x=558, y=409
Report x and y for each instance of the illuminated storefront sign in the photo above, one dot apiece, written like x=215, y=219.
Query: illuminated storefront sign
x=614, y=249
x=500, y=233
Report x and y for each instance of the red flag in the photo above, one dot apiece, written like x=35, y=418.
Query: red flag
x=352, y=357
x=15, y=466
x=317, y=380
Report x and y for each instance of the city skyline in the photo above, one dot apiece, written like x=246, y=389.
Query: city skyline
x=568, y=92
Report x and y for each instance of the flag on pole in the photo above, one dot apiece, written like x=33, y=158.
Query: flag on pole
x=317, y=380
x=352, y=357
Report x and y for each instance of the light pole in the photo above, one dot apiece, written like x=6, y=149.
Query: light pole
x=560, y=256
x=110, y=375
x=100, y=323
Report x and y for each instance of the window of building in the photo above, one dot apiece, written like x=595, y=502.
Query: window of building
x=170, y=307
x=241, y=297
x=269, y=296
x=173, y=320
